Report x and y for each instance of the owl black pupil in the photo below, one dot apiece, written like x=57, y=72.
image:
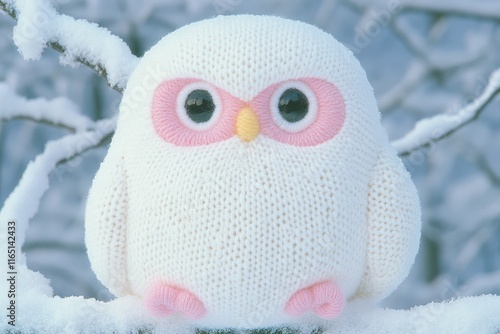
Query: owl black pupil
x=293, y=105
x=199, y=106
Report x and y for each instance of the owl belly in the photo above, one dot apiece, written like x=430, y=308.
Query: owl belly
x=244, y=255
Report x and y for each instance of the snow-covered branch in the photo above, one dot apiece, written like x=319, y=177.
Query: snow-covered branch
x=60, y=111
x=484, y=9
x=481, y=9
x=430, y=130
x=425, y=63
x=22, y=204
x=39, y=26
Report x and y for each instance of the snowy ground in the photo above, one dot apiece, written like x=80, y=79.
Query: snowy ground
x=39, y=312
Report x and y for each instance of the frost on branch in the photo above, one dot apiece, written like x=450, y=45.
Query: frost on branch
x=39, y=26
x=484, y=9
x=22, y=204
x=432, y=129
x=59, y=111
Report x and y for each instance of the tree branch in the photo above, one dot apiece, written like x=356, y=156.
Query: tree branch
x=77, y=40
x=416, y=72
x=436, y=61
x=487, y=10
x=60, y=112
x=460, y=8
x=22, y=204
x=430, y=130
x=8, y=9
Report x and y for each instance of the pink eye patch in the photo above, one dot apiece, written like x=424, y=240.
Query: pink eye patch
x=324, y=119
x=173, y=123
x=302, y=112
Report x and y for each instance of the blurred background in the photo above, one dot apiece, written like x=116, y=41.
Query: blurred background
x=422, y=57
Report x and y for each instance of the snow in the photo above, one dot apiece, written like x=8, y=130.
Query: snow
x=488, y=9
x=59, y=111
x=431, y=129
x=22, y=204
x=38, y=24
x=39, y=312
x=481, y=8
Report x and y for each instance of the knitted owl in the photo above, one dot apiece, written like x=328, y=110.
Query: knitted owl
x=249, y=181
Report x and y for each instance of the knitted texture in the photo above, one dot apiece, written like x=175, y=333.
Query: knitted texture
x=324, y=298
x=285, y=199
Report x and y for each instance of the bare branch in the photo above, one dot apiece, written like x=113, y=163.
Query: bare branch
x=485, y=167
x=481, y=284
x=426, y=64
x=430, y=130
x=60, y=125
x=437, y=61
x=416, y=72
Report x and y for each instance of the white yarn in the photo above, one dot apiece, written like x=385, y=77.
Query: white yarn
x=244, y=226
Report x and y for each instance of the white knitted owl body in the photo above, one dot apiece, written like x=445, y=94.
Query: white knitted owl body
x=238, y=209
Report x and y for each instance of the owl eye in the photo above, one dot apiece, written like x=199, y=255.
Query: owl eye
x=198, y=106
x=294, y=106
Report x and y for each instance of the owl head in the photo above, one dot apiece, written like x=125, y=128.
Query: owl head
x=259, y=79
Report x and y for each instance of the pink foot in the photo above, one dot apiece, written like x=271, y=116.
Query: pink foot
x=163, y=299
x=325, y=299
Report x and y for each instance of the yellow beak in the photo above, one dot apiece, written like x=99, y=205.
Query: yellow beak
x=247, y=124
